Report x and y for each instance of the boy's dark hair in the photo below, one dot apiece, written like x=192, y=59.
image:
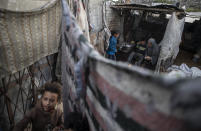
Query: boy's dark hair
x=54, y=87
x=76, y=121
x=113, y=32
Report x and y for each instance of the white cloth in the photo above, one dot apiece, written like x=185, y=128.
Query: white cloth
x=171, y=41
x=82, y=20
x=184, y=71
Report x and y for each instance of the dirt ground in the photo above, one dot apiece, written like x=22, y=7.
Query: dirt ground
x=186, y=57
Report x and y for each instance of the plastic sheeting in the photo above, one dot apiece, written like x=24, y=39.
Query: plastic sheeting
x=171, y=41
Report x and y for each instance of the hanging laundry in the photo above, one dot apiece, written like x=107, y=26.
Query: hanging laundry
x=81, y=17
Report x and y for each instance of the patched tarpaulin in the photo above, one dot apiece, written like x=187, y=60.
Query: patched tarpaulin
x=28, y=36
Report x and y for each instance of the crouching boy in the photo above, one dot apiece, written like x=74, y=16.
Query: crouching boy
x=45, y=116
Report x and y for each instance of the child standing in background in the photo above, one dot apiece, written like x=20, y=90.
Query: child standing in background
x=112, y=49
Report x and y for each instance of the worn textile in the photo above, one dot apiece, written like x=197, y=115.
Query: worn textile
x=26, y=37
x=82, y=20
x=170, y=43
x=74, y=47
x=183, y=71
x=116, y=98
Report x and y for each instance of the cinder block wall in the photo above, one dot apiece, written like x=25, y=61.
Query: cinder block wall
x=95, y=14
x=113, y=20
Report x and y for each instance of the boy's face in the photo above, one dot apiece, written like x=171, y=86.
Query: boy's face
x=116, y=35
x=49, y=101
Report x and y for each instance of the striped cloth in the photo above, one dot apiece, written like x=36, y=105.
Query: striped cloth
x=113, y=96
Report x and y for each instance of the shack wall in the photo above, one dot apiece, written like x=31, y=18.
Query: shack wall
x=113, y=20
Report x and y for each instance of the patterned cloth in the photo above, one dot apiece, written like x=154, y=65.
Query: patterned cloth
x=112, y=95
x=26, y=37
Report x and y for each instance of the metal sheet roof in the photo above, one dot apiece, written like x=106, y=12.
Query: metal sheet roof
x=157, y=8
